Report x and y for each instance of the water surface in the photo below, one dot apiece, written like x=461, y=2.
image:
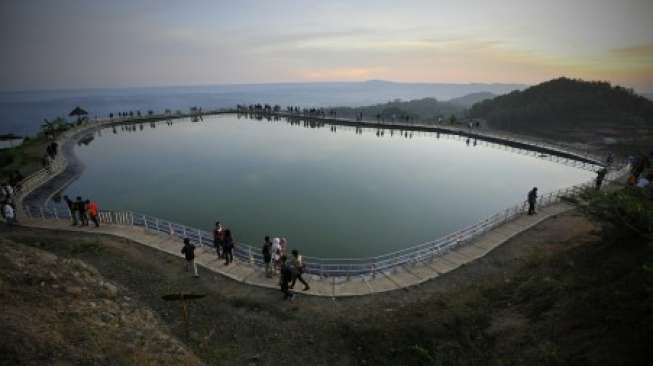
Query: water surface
x=332, y=191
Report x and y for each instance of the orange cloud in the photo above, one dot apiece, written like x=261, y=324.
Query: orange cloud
x=351, y=73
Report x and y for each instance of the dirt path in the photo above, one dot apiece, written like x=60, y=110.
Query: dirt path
x=240, y=324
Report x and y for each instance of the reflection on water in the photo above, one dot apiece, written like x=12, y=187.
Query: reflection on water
x=332, y=190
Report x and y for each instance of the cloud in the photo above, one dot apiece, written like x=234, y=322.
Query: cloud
x=353, y=73
x=644, y=52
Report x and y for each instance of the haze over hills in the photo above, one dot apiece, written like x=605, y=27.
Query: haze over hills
x=23, y=112
x=466, y=101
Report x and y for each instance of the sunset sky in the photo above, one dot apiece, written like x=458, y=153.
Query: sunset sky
x=79, y=44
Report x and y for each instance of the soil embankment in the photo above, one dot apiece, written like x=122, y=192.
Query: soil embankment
x=57, y=309
x=547, y=296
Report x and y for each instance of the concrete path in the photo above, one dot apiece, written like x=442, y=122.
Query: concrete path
x=398, y=278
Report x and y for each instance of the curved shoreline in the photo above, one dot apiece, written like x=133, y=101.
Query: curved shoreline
x=398, y=277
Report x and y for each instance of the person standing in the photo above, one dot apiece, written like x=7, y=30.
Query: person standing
x=189, y=253
x=8, y=192
x=267, y=256
x=91, y=208
x=72, y=207
x=297, y=266
x=599, y=178
x=276, y=255
x=81, y=209
x=532, y=200
x=284, y=279
x=218, y=239
x=9, y=214
x=228, y=247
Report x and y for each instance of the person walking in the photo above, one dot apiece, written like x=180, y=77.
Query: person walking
x=285, y=278
x=297, y=266
x=218, y=239
x=91, y=208
x=189, y=253
x=532, y=200
x=228, y=247
x=72, y=207
x=276, y=255
x=267, y=256
x=81, y=209
x=9, y=213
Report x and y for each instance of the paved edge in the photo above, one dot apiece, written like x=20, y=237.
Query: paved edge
x=401, y=277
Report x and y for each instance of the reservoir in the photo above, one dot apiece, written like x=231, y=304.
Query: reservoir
x=332, y=191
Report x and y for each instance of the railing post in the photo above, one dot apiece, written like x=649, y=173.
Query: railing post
x=156, y=221
x=145, y=222
x=184, y=231
x=199, y=235
x=132, y=217
x=55, y=213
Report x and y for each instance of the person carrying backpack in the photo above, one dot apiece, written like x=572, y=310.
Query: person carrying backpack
x=189, y=253
x=267, y=256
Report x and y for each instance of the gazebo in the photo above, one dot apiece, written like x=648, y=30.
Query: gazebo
x=79, y=112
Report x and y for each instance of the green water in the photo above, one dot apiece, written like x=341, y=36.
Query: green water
x=342, y=193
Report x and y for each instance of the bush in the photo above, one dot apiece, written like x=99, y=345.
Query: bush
x=626, y=213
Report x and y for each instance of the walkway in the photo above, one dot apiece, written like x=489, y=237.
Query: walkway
x=398, y=278
x=39, y=190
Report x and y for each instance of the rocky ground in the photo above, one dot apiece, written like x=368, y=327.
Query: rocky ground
x=61, y=310
x=554, y=294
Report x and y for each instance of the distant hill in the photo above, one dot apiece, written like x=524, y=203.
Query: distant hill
x=469, y=100
x=570, y=109
x=425, y=109
x=648, y=96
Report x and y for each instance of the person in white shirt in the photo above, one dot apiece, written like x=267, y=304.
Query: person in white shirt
x=8, y=213
x=276, y=254
x=643, y=182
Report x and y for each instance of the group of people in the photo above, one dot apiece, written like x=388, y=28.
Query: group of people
x=81, y=211
x=8, y=203
x=289, y=269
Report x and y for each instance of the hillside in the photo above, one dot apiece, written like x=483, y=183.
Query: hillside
x=466, y=101
x=58, y=310
x=573, y=110
x=425, y=110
